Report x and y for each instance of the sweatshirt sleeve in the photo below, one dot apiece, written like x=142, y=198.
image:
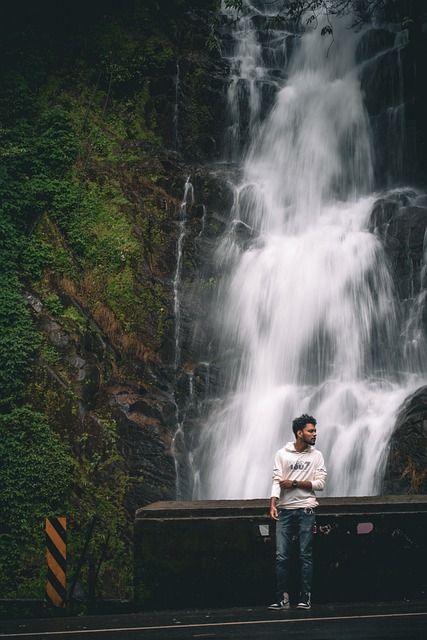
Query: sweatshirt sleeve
x=319, y=480
x=277, y=476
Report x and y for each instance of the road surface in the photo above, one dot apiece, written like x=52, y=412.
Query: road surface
x=360, y=621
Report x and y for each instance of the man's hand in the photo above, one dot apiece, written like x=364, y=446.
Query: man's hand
x=286, y=484
x=273, y=509
x=273, y=513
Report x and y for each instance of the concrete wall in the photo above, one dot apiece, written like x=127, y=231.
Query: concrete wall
x=222, y=553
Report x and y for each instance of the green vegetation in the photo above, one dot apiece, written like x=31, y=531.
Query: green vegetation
x=35, y=476
x=100, y=492
x=18, y=342
x=86, y=230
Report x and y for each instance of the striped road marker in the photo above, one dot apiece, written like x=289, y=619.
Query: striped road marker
x=56, y=554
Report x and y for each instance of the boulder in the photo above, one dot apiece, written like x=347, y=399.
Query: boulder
x=382, y=212
x=406, y=468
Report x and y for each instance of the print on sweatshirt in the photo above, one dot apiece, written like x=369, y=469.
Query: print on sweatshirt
x=290, y=464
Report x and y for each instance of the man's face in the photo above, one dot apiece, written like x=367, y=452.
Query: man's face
x=308, y=434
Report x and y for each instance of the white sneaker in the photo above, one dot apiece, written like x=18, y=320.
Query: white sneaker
x=282, y=604
x=304, y=601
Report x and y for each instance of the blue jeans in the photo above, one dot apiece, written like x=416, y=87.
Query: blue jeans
x=292, y=522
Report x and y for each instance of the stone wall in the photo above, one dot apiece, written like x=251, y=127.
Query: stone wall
x=222, y=553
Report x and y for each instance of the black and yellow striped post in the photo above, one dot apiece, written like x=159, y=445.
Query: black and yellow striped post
x=56, y=554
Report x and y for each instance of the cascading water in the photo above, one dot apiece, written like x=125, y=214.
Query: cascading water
x=250, y=81
x=187, y=199
x=307, y=311
x=178, y=442
x=176, y=109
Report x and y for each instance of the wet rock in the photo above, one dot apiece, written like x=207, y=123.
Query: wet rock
x=404, y=244
x=388, y=80
x=392, y=80
x=385, y=208
x=148, y=459
x=90, y=378
x=382, y=212
x=77, y=362
x=214, y=187
x=56, y=334
x=372, y=43
x=406, y=469
x=145, y=423
x=401, y=225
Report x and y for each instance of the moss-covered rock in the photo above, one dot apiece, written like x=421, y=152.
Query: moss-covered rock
x=103, y=110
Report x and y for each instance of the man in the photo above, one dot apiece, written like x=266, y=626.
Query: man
x=299, y=471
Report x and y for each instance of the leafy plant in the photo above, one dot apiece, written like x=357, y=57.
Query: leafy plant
x=49, y=354
x=53, y=304
x=9, y=245
x=56, y=145
x=19, y=340
x=73, y=314
x=99, y=490
x=36, y=256
x=35, y=475
x=16, y=99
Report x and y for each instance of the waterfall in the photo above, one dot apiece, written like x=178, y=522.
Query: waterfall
x=175, y=122
x=187, y=198
x=178, y=446
x=306, y=312
x=251, y=82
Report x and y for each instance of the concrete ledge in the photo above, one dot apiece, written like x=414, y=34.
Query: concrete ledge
x=222, y=553
x=260, y=507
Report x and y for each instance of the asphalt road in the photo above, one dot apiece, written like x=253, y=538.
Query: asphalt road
x=364, y=621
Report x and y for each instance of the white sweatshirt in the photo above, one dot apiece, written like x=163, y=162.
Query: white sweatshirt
x=294, y=465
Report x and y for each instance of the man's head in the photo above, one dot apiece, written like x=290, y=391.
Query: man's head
x=304, y=429
x=298, y=424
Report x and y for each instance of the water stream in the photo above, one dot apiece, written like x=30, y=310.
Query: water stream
x=178, y=441
x=306, y=311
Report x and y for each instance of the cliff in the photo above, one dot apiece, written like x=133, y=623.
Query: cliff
x=107, y=111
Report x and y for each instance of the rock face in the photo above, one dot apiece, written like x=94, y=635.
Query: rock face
x=141, y=386
x=95, y=376
x=400, y=221
x=393, y=67
x=145, y=422
x=406, y=470
x=392, y=71
x=404, y=244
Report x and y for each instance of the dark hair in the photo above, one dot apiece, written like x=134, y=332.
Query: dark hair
x=299, y=423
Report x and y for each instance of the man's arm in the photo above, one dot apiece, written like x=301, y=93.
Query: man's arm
x=275, y=488
x=319, y=479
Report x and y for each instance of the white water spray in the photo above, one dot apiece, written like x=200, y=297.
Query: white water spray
x=308, y=311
